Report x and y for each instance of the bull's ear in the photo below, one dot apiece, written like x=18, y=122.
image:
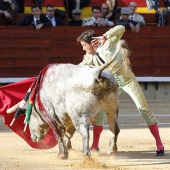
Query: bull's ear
x=13, y=108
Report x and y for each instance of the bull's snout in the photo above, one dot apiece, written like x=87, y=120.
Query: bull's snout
x=38, y=129
x=38, y=134
x=37, y=137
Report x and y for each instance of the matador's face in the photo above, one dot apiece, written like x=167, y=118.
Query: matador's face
x=87, y=47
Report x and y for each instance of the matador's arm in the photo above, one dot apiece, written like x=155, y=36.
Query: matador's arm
x=115, y=33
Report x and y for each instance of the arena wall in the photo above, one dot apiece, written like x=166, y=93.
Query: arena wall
x=25, y=51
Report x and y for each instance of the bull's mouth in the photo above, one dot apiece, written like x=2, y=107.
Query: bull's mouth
x=38, y=134
x=36, y=138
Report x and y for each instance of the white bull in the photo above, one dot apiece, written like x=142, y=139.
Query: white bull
x=70, y=96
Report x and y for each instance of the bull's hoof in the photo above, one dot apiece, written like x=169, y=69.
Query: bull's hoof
x=87, y=154
x=112, y=150
x=63, y=157
x=109, y=152
x=69, y=148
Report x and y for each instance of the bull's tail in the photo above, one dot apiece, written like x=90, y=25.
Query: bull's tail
x=104, y=66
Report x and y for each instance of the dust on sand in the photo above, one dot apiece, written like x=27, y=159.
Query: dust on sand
x=136, y=150
x=136, y=147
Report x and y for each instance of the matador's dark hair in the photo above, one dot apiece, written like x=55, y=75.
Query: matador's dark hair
x=87, y=36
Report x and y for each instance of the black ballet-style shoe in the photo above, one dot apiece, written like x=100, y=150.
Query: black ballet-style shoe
x=160, y=153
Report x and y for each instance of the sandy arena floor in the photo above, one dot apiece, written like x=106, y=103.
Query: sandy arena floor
x=136, y=146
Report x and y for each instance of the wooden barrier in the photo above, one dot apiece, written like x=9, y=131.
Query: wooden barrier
x=24, y=51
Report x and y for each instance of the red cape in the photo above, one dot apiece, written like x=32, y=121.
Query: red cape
x=9, y=96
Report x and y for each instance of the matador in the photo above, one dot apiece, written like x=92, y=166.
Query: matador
x=99, y=50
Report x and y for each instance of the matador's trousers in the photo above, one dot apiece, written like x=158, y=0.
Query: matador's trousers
x=127, y=81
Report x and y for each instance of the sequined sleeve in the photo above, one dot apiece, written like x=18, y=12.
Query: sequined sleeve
x=115, y=33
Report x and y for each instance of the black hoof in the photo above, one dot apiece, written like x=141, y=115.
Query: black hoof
x=160, y=153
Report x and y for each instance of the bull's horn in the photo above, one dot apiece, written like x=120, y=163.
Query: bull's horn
x=13, y=108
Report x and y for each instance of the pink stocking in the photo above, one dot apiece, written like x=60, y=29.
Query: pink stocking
x=96, y=135
x=155, y=132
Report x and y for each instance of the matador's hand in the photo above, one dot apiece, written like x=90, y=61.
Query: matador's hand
x=98, y=40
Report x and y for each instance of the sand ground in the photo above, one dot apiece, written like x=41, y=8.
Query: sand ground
x=136, y=146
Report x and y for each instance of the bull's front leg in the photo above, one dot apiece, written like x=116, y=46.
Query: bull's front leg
x=82, y=127
x=63, y=152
